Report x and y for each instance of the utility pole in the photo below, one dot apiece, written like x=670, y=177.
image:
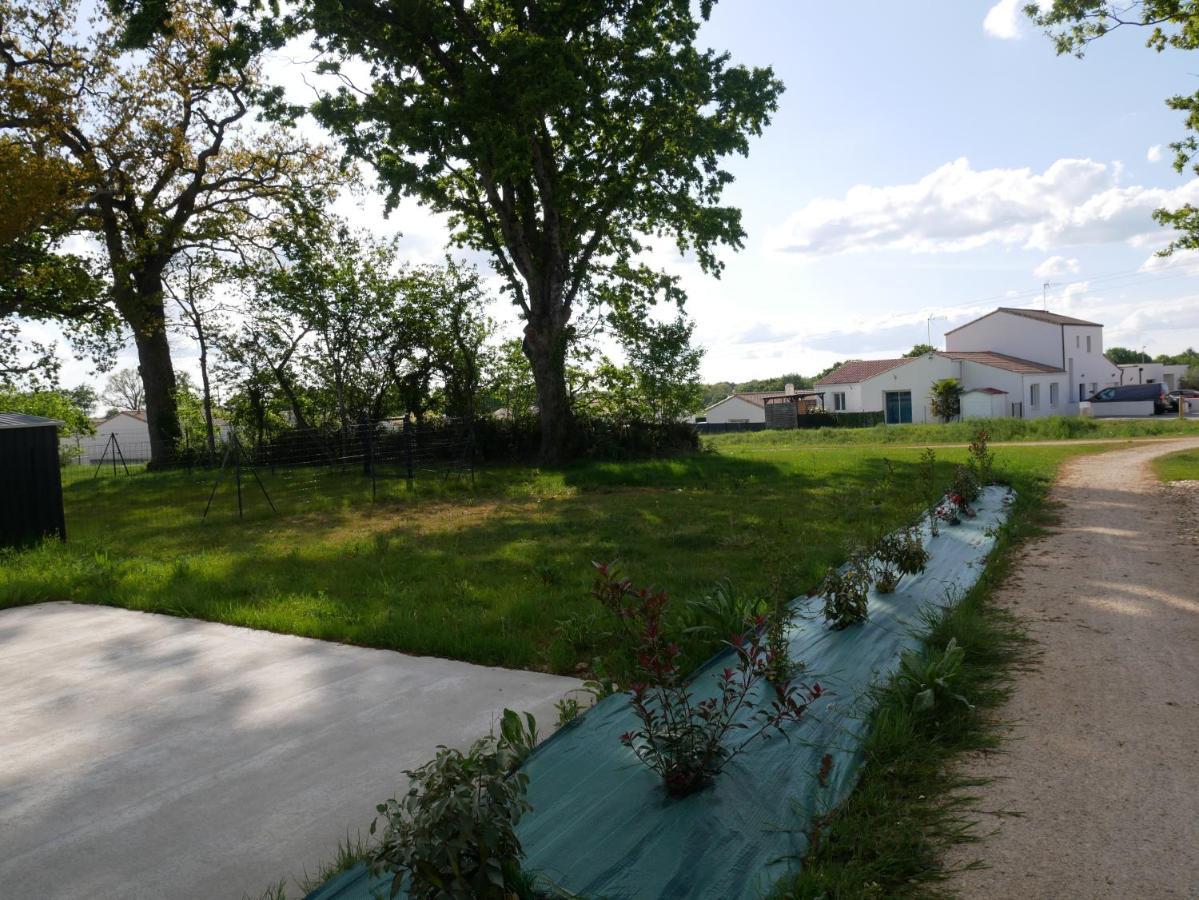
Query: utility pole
x=1045, y=295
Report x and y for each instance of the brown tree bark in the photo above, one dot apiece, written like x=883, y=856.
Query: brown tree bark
x=146, y=314
x=545, y=347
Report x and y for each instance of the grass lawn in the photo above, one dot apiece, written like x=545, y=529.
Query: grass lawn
x=1182, y=466
x=498, y=572
x=1050, y=428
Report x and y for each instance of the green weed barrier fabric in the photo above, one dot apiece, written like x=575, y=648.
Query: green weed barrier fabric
x=602, y=826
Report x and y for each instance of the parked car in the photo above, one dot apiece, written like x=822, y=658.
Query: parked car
x=1127, y=393
x=1181, y=394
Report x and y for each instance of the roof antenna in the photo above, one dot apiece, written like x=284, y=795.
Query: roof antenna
x=1045, y=295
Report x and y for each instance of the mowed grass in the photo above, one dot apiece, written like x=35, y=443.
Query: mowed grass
x=497, y=572
x=1050, y=428
x=1182, y=466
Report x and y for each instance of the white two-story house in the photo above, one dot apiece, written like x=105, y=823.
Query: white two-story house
x=1023, y=363
x=1074, y=346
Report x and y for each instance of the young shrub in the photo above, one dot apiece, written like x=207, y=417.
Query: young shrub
x=569, y=710
x=453, y=834
x=965, y=485
x=895, y=555
x=845, y=593
x=928, y=469
x=685, y=740
x=982, y=460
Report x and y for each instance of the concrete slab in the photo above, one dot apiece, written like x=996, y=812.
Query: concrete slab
x=148, y=756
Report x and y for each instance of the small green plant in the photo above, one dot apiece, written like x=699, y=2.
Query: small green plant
x=778, y=667
x=845, y=593
x=569, y=710
x=928, y=681
x=517, y=735
x=982, y=460
x=895, y=555
x=722, y=612
x=932, y=496
x=452, y=836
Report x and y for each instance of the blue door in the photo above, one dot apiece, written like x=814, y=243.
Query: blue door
x=898, y=407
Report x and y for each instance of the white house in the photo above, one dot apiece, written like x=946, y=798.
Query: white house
x=1064, y=343
x=995, y=385
x=739, y=408
x=1152, y=373
x=132, y=436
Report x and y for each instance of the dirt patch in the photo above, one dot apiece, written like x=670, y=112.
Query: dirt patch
x=1096, y=792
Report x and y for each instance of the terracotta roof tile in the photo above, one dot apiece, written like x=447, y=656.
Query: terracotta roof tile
x=860, y=369
x=1002, y=361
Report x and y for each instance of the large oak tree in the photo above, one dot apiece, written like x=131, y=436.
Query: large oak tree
x=558, y=135
x=160, y=153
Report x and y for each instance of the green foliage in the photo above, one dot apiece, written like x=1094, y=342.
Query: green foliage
x=845, y=592
x=518, y=735
x=569, y=709
x=59, y=405
x=965, y=483
x=920, y=350
x=1123, y=356
x=896, y=554
x=723, y=612
x=945, y=398
x=1170, y=24
x=982, y=460
x=660, y=379
x=718, y=390
x=557, y=141
x=929, y=681
x=452, y=836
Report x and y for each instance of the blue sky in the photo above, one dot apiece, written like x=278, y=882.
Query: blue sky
x=983, y=155
x=928, y=158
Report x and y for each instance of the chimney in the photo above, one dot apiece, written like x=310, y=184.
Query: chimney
x=789, y=389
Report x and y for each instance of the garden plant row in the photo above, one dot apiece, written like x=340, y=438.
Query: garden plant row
x=669, y=785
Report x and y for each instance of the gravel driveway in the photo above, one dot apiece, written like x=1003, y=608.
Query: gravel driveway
x=1102, y=765
x=144, y=756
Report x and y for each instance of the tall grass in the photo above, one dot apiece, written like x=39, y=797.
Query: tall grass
x=1177, y=466
x=1050, y=428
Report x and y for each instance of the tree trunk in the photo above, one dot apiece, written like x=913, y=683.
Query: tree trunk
x=208, y=426
x=546, y=349
x=146, y=315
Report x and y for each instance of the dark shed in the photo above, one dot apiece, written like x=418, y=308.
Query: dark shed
x=30, y=483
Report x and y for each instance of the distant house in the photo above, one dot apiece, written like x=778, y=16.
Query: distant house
x=1152, y=373
x=1069, y=345
x=1024, y=363
x=745, y=407
x=132, y=436
x=900, y=388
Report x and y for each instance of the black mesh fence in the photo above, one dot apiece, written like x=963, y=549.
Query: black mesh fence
x=300, y=470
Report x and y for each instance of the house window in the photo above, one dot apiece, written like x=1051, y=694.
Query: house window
x=839, y=402
x=1034, y=395
x=1077, y=342
x=1094, y=387
x=1053, y=394
x=898, y=407
x=1088, y=343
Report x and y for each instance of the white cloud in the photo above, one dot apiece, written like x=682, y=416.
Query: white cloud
x=956, y=207
x=1003, y=19
x=1056, y=265
x=1154, y=153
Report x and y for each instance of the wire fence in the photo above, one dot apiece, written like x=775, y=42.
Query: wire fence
x=287, y=472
